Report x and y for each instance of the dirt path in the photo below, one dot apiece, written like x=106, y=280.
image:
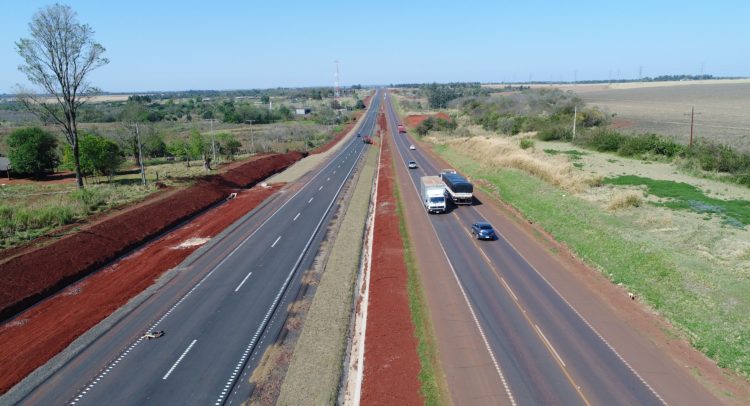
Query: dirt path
x=391, y=363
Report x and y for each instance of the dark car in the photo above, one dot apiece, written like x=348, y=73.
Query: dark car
x=483, y=230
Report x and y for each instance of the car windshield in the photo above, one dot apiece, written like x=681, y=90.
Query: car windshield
x=485, y=227
x=437, y=200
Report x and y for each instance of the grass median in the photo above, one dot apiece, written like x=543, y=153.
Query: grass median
x=315, y=369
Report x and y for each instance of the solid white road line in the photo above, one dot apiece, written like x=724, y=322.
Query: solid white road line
x=243, y=282
x=295, y=217
x=184, y=353
x=275, y=242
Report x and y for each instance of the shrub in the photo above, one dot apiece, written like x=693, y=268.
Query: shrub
x=554, y=133
x=625, y=199
x=32, y=151
x=527, y=143
x=91, y=199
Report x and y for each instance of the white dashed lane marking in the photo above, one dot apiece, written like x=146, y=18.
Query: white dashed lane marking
x=277, y=240
x=243, y=282
x=184, y=353
x=295, y=217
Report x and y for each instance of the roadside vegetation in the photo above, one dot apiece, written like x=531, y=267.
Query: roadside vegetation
x=668, y=221
x=30, y=211
x=176, y=149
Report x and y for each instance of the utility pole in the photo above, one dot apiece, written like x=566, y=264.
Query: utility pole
x=575, y=115
x=213, y=140
x=692, y=124
x=692, y=118
x=140, y=154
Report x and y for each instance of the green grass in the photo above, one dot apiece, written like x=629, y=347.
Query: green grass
x=432, y=387
x=30, y=211
x=683, y=196
x=709, y=305
x=572, y=153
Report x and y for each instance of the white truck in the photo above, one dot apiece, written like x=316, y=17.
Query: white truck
x=432, y=190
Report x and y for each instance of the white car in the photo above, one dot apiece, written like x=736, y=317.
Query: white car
x=412, y=147
x=412, y=165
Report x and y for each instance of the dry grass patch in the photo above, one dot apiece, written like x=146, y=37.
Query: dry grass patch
x=503, y=152
x=624, y=199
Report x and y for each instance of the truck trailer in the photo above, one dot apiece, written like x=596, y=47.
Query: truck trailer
x=459, y=189
x=432, y=191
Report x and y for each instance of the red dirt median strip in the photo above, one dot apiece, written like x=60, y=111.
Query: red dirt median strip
x=391, y=363
x=30, y=277
x=38, y=334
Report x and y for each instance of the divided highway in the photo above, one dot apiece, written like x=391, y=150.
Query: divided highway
x=220, y=312
x=543, y=351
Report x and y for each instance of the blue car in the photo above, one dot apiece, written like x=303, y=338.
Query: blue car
x=483, y=230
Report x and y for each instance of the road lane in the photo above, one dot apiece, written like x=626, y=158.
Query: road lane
x=583, y=358
x=226, y=319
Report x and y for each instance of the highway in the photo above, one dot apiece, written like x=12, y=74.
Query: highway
x=542, y=349
x=221, y=312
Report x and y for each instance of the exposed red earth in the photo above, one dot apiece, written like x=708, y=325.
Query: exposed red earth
x=391, y=366
x=46, y=329
x=416, y=119
x=31, y=276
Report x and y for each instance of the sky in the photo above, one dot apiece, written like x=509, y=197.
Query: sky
x=164, y=45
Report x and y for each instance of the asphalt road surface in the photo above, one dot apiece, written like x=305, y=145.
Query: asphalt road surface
x=220, y=313
x=543, y=351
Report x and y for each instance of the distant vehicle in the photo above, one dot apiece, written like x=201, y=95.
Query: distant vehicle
x=432, y=192
x=412, y=165
x=367, y=139
x=412, y=147
x=359, y=134
x=401, y=129
x=153, y=334
x=459, y=189
x=483, y=230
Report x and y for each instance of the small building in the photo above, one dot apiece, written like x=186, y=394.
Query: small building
x=302, y=111
x=5, y=166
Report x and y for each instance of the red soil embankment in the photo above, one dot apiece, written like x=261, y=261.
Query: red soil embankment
x=416, y=119
x=391, y=365
x=27, y=278
x=41, y=332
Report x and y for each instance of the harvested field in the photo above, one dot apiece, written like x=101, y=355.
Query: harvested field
x=38, y=334
x=720, y=106
x=27, y=278
x=391, y=362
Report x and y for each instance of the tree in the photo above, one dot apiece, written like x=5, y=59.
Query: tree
x=229, y=145
x=134, y=113
x=200, y=147
x=32, y=151
x=360, y=105
x=265, y=99
x=58, y=58
x=98, y=155
x=180, y=150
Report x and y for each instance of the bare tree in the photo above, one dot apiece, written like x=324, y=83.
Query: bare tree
x=58, y=57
